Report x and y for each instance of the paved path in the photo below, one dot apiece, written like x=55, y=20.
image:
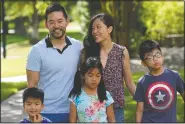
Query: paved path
x=21, y=78
x=12, y=108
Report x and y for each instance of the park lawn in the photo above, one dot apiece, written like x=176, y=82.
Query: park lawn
x=15, y=63
x=8, y=89
x=130, y=104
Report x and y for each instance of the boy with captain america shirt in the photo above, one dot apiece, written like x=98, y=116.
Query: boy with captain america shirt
x=156, y=92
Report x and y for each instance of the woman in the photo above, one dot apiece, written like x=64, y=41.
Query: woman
x=114, y=58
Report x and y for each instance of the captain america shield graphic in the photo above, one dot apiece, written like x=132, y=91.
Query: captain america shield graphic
x=160, y=96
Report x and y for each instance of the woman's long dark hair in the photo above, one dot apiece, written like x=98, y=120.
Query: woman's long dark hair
x=90, y=46
x=89, y=63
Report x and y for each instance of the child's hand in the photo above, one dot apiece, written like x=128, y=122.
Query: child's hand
x=37, y=118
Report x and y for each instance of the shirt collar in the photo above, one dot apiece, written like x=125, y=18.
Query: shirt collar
x=49, y=44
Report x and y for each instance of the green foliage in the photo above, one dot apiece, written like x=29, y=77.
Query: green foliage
x=162, y=18
x=8, y=89
x=80, y=13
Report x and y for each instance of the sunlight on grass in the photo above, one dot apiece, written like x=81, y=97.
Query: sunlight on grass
x=13, y=67
x=8, y=89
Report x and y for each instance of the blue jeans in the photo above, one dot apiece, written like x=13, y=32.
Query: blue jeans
x=119, y=115
x=57, y=117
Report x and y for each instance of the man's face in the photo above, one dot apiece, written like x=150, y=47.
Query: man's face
x=56, y=24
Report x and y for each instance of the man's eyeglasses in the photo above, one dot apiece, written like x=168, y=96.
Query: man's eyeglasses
x=151, y=57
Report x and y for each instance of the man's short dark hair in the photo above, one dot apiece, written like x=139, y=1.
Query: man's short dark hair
x=55, y=7
x=146, y=47
x=33, y=93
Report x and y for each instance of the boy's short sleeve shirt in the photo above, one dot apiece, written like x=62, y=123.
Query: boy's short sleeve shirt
x=159, y=94
x=44, y=120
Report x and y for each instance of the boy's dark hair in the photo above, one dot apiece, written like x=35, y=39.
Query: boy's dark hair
x=55, y=7
x=89, y=63
x=33, y=93
x=146, y=47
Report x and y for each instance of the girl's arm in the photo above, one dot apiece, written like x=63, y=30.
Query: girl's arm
x=110, y=113
x=72, y=113
x=139, y=111
x=127, y=73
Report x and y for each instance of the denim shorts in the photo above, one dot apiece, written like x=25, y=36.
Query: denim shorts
x=57, y=117
x=119, y=115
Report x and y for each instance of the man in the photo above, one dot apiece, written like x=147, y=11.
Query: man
x=52, y=63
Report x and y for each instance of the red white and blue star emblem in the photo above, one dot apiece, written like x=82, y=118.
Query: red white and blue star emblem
x=160, y=95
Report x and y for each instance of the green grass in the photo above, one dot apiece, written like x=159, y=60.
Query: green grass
x=15, y=63
x=130, y=104
x=8, y=89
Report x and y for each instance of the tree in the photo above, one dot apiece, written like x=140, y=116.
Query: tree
x=122, y=12
x=162, y=18
x=27, y=20
x=32, y=13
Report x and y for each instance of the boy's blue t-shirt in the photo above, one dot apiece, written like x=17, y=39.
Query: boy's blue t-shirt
x=44, y=120
x=159, y=94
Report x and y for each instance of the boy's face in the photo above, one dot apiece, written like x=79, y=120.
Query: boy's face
x=153, y=59
x=33, y=106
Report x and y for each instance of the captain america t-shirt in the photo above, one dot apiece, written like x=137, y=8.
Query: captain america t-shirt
x=159, y=94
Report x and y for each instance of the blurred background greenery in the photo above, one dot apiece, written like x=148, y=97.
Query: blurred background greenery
x=134, y=21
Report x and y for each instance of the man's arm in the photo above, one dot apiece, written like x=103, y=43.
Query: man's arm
x=127, y=73
x=139, y=111
x=32, y=78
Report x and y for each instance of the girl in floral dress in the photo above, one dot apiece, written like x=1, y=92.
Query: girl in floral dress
x=90, y=102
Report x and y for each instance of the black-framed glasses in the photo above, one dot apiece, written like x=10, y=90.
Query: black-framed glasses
x=151, y=57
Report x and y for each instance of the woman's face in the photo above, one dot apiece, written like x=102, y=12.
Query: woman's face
x=100, y=31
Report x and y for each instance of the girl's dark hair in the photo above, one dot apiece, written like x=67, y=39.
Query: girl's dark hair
x=89, y=63
x=33, y=93
x=91, y=47
x=53, y=8
x=146, y=47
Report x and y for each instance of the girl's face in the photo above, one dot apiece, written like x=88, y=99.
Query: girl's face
x=92, y=78
x=100, y=31
x=33, y=106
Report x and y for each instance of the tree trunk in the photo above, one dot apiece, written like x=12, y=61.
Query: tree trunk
x=34, y=34
x=121, y=11
x=94, y=7
x=19, y=26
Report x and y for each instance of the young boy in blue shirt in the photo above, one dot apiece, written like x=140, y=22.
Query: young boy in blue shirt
x=33, y=99
x=156, y=91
